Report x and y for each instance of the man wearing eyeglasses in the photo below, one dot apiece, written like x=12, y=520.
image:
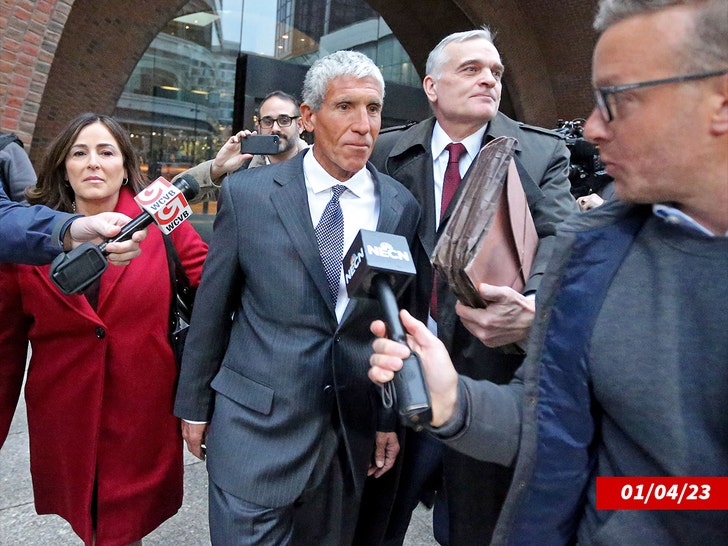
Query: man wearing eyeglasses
x=626, y=377
x=278, y=114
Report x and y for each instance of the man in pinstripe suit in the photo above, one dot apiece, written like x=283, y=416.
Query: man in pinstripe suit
x=279, y=392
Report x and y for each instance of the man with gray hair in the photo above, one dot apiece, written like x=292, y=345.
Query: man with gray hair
x=273, y=386
x=618, y=414
x=463, y=85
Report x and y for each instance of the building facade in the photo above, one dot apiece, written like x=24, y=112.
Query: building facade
x=174, y=71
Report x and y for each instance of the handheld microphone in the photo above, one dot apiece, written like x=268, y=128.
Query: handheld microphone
x=161, y=202
x=379, y=265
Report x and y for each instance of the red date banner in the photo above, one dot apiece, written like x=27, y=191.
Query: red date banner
x=651, y=493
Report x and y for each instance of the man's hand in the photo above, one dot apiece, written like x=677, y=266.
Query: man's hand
x=385, y=453
x=229, y=158
x=440, y=375
x=102, y=226
x=506, y=319
x=194, y=437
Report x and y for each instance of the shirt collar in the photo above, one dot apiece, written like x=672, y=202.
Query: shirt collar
x=319, y=180
x=472, y=142
x=674, y=216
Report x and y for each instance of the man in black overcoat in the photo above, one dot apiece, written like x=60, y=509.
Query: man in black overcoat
x=463, y=85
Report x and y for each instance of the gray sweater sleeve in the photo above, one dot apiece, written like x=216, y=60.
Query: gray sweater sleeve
x=487, y=425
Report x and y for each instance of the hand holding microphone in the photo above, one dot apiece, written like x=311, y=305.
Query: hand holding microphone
x=163, y=203
x=96, y=228
x=379, y=265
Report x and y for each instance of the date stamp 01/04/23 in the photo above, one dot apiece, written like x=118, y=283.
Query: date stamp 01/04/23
x=657, y=493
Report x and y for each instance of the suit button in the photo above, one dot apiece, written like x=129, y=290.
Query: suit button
x=329, y=390
x=100, y=332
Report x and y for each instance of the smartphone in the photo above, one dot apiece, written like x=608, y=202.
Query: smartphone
x=260, y=144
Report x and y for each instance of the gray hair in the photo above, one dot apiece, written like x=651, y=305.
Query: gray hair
x=337, y=64
x=706, y=45
x=437, y=58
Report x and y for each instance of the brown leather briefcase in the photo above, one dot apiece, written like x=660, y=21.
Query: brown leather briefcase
x=491, y=237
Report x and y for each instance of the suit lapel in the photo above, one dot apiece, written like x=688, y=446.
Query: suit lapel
x=111, y=277
x=113, y=274
x=390, y=205
x=504, y=126
x=291, y=203
x=75, y=303
x=410, y=162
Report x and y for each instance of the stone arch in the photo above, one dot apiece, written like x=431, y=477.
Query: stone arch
x=546, y=47
x=100, y=46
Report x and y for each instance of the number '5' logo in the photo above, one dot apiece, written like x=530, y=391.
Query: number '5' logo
x=151, y=193
x=171, y=210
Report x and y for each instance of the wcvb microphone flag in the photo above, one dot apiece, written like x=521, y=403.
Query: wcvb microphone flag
x=165, y=203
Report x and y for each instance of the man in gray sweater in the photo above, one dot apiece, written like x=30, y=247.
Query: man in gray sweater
x=627, y=370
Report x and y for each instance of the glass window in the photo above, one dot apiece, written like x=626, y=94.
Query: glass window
x=207, y=70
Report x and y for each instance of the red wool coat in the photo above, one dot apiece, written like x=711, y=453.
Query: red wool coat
x=100, y=388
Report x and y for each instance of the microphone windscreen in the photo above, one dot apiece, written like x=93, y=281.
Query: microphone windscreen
x=187, y=184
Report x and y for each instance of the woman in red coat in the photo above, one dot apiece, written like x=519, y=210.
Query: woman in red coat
x=105, y=448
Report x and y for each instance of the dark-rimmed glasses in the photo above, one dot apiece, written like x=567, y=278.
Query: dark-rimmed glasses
x=283, y=121
x=604, y=95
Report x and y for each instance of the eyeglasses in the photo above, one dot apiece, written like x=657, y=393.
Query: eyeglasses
x=283, y=121
x=605, y=96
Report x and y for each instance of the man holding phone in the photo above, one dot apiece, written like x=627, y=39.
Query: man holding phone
x=278, y=115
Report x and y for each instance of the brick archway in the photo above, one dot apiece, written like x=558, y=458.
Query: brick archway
x=100, y=46
x=546, y=47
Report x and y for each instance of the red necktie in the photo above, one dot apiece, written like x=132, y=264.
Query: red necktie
x=449, y=187
x=452, y=175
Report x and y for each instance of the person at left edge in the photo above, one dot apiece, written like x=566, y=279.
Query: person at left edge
x=105, y=447
x=37, y=234
x=274, y=362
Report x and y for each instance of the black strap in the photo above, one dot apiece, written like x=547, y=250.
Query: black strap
x=182, y=293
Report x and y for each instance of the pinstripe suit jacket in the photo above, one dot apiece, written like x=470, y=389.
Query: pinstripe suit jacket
x=270, y=379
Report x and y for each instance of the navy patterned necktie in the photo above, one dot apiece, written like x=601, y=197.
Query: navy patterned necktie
x=330, y=237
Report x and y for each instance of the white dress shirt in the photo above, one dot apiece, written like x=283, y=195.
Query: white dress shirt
x=440, y=157
x=359, y=204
